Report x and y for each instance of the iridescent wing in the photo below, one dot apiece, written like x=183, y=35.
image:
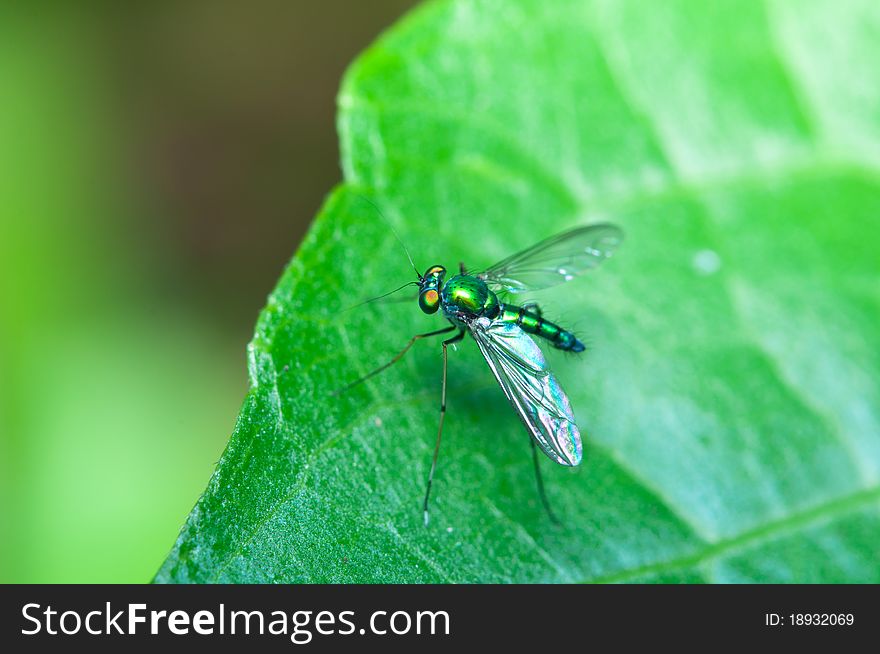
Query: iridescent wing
x=520, y=368
x=557, y=259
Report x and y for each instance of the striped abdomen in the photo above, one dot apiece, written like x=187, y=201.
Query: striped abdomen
x=532, y=323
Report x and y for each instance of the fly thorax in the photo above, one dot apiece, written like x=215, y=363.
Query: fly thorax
x=465, y=298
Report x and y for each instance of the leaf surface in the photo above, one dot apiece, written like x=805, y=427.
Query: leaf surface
x=729, y=398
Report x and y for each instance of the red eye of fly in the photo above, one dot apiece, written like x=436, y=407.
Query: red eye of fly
x=429, y=300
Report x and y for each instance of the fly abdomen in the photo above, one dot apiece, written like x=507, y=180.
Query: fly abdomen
x=532, y=323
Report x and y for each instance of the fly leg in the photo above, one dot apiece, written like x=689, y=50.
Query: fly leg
x=540, y=481
x=446, y=343
x=394, y=360
x=461, y=268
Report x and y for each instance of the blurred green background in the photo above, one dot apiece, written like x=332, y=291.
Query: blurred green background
x=158, y=167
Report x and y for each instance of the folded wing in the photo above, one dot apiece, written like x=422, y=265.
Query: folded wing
x=520, y=368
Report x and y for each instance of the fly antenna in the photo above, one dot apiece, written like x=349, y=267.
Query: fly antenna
x=393, y=231
x=403, y=245
x=379, y=297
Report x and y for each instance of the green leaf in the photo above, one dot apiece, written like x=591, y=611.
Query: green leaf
x=730, y=398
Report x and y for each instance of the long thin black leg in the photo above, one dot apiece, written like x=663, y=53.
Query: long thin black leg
x=446, y=343
x=393, y=361
x=540, y=481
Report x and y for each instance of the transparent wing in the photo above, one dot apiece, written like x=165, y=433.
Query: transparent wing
x=557, y=259
x=520, y=368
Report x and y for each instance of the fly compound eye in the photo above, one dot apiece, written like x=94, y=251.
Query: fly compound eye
x=429, y=300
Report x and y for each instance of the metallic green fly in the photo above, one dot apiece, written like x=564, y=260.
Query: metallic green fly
x=503, y=332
